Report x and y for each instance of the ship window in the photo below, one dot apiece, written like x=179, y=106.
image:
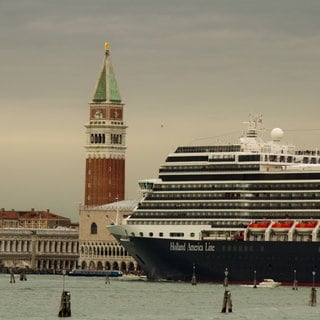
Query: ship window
x=160, y=234
x=176, y=234
x=192, y=234
x=141, y=234
x=251, y=157
x=272, y=158
x=151, y=234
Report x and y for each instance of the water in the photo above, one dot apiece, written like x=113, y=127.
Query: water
x=39, y=298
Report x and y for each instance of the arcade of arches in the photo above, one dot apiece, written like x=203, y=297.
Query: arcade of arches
x=47, y=250
x=106, y=255
x=51, y=250
x=98, y=249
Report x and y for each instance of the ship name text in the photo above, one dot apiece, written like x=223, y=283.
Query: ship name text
x=187, y=246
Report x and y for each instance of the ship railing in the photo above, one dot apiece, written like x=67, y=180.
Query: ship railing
x=279, y=237
x=216, y=237
x=245, y=234
x=308, y=152
x=315, y=231
x=267, y=232
x=217, y=234
x=292, y=230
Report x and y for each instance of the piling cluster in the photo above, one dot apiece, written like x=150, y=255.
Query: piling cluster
x=12, y=279
x=226, y=302
x=194, y=279
x=65, y=303
x=313, y=293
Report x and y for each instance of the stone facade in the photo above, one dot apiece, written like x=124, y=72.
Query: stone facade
x=39, y=250
x=98, y=248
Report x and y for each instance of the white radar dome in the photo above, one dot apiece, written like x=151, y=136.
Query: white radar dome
x=276, y=134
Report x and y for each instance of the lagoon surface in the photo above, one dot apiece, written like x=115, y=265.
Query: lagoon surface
x=91, y=298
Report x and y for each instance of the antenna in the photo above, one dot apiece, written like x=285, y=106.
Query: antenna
x=254, y=125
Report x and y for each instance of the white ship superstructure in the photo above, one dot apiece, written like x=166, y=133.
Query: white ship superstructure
x=234, y=200
x=218, y=191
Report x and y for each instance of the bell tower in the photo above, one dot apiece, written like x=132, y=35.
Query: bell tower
x=106, y=144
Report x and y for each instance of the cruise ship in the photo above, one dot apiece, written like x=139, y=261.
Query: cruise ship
x=251, y=208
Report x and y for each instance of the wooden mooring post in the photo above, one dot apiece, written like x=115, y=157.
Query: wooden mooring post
x=255, y=279
x=65, y=303
x=227, y=302
x=313, y=293
x=295, y=282
x=12, y=279
x=194, y=279
x=23, y=276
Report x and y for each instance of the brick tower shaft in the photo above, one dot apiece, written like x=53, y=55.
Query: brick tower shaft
x=105, y=146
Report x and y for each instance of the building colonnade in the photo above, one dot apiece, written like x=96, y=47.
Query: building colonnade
x=39, y=249
x=108, y=255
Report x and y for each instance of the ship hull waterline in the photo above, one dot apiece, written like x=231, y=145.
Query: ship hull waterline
x=170, y=259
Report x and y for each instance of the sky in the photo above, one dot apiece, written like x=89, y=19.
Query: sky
x=188, y=72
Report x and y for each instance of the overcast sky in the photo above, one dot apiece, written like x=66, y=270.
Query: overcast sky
x=188, y=72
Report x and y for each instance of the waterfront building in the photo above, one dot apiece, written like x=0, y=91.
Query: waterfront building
x=98, y=248
x=38, y=241
x=32, y=219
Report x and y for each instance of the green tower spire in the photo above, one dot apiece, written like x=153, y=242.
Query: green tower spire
x=106, y=88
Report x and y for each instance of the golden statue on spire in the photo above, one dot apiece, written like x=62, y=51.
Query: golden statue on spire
x=106, y=46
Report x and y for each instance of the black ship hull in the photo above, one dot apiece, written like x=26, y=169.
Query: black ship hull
x=174, y=259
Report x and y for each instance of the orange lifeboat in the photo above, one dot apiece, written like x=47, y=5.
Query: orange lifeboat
x=305, y=226
x=259, y=226
x=282, y=226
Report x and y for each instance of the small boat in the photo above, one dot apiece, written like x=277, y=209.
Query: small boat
x=133, y=277
x=95, y=273
x=266, y=283
x=269, y=283
x=282, y=226
x=259, y=226
x=306, y=226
